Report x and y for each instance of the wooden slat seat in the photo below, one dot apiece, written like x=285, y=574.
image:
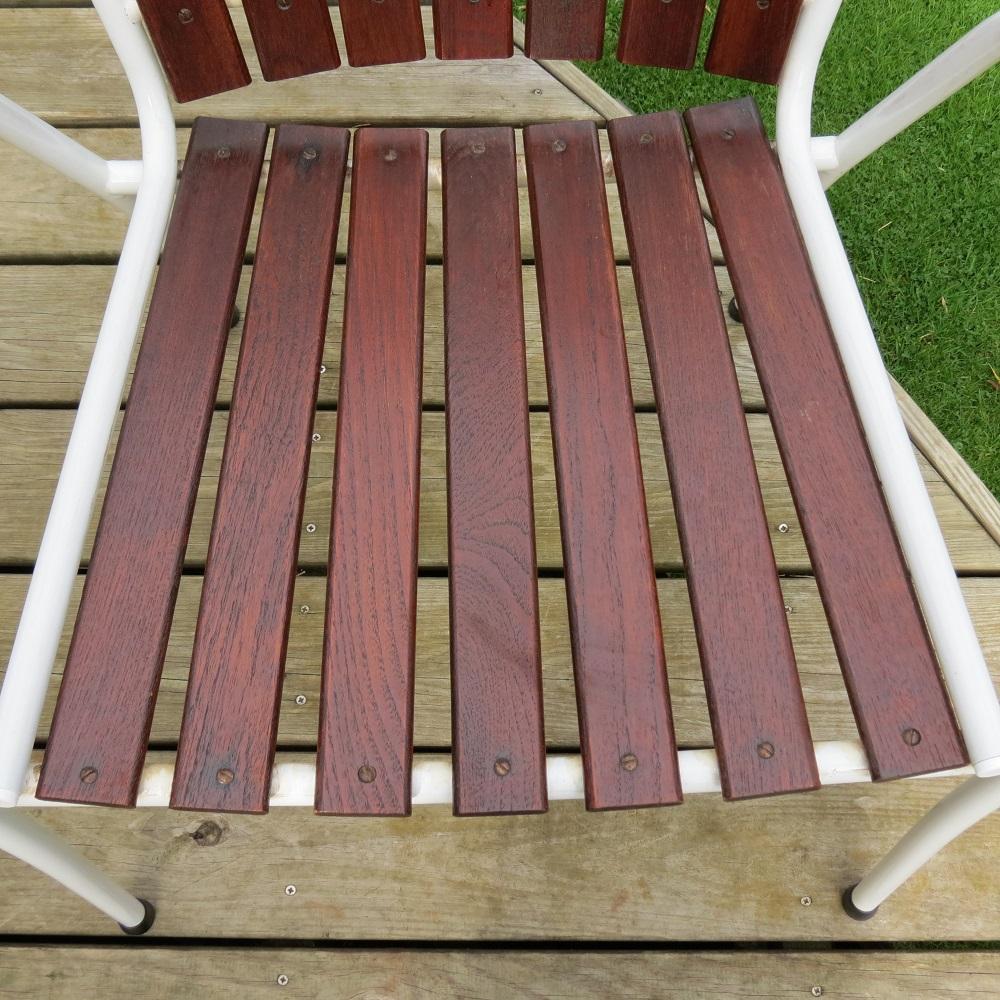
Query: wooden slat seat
x=626, y=733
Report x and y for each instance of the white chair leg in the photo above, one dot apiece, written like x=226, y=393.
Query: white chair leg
x=39, y=847
x=961, y=809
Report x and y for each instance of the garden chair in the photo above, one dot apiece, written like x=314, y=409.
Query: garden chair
x=918, y=683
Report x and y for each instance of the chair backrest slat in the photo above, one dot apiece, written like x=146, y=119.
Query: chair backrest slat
x=751, y=37
x=226, y=747
x=754, y=696
x=197, y=46
x=654, y=33
x=98, y=741
x=565, y=29
x=496, y=660
x=481, y=30
x=292, y=37
x=391, y=31
x=366, y=708
x=626, y=730
x=896, y=691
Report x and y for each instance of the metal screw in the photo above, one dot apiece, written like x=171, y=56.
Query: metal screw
x=911, y=737
x=290, y=890
x=817, y=991
x=666, y=1
x=390, y=154
x=763, y=4
x=788, y=609
x=473, y=1
x=728, y=133
x=309, y=153
x=366, y=774
x=806, y=901
x=310, y=528
x=647, y=137
x=224, y=776
x=222, y=153
x=559, y=145
x=537, y=91
x=629, y=761
x=88, y=775
x=765, y=750
x=284, y=4
x=502, y=766
x=783, y=528
x=478, y=147
x=300, y=699
x=322, y=369
x=185, y=16
x=282, y=980
x=304, y=609
x=317, y=437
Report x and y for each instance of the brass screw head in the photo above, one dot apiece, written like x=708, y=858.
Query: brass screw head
x=765, y=750
x=629, y=761
x=224, y=776
x=502, y=766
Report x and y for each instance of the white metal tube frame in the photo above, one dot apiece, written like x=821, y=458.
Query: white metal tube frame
x=803, y=159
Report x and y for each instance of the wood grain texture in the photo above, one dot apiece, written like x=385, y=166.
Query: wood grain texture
x=498, y=734
x=751, y=37
x=565, y=29
x=626, y=731
x=175, y=973
x=473, y=29
x=366, y=711
x=382, y=31
x=823, y=686
x=231, y=713
x=655, y=33
x=197, y=45
x=292, y=37
x=98, y=743
x=758, y=714
x=901, y=706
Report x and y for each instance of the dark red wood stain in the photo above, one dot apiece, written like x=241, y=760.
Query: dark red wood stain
x=626, y=731
x=473, y=29
x=751, y=37
x=98, y=741
x=382, y=31
x=230, y=719
x=654, y=33
x=496, y=664
x=366, y=710
x=896, y=692
x=197, y=46
x=565, y=29
x=292, y=37
x=754, y=696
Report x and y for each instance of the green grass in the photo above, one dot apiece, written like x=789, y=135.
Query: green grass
x=919, y=218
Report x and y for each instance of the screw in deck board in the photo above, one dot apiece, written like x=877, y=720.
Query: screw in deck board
x=765, y=750
x=88, y=775
x=300, y=699
x=806, y=901
x=282, y=980
x=502, y=766
x=912, y=737
x=224, y=776
x=185, y=16
x=629, y=761
x=366, y=774
x=290, y=890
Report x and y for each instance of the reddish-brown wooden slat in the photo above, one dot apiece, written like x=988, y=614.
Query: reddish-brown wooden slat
x=98, y=741
x=496, y=666
x=197, y=46
x=382, y=31
x=230, y=719
x=751, y=37
x=565, y=29
x=896, y=692
x=626, y=730
x=366, y=707
x=292, y=37
x=754, y=696
x=654, y=33
x=473, y=29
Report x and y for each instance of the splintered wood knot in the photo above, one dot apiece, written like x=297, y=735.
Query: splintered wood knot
x=765, y=750
x=728, y=133
x=366, y=773
x=911, y=737
x=284, y=4
x=390, y=156
x=478, y=147
x=559, y=145
x=224, y=776
x=629, y=761
x=185, y=16
x=208, y=834
x=88, y=775
x=647, y=137
x=502, y=766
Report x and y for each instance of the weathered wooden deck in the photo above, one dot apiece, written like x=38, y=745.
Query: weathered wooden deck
x=434, y=905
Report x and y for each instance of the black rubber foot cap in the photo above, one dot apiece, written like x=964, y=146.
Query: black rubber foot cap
x=851, y=910
x=145, y=923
